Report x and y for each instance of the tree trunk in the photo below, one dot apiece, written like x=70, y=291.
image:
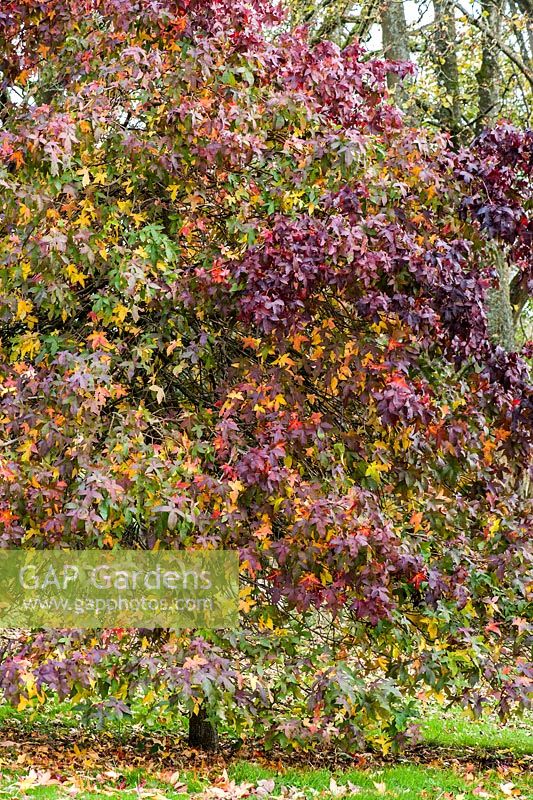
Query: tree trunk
x=488, y=77
x=445, y=57
x=202, y=733
x=500, y=310
x=395, y=41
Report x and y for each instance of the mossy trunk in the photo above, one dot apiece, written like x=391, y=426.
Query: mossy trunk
x=395, y=43
x=499, y=308
x=446, y=65
x=488, y=76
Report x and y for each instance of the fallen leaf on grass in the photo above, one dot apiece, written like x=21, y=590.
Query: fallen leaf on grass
x=381, y=788
x=37, y=777
x=150, y=794
x=343, y=790
x=335, y=789
x=223, y=788
x=265, y=787
x=479, y=791
x=293, y=793
x=510, y=790
x=173, y=778
x=469, y=774
x=110, y=773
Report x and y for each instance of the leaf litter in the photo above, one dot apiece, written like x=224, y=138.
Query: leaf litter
x=99, y=762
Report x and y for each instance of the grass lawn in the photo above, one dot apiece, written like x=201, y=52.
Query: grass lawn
x=249, y=780
x=457, y=730
x=458, y=758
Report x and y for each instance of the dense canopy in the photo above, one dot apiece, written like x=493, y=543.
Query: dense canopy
x=242, y=305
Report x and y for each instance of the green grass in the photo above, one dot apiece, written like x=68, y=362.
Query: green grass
x=455, y=729
x=409, y=782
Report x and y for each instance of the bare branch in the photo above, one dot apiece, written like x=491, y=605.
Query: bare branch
x=484, y=28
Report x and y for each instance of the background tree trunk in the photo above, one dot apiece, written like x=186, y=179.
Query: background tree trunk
x=446, y=66
x=488, y=77
x=499, y=308
x=395, y=39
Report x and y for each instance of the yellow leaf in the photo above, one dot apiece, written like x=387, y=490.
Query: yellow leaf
x=85, y=176
x=433, y=629
x=236, y=489
x=284, y=361
x=25, y=269
x=495, y=526
x=28, y=345
x=24, y=214
x=23, y=704
x=149, y=697
x=24, y=307
x=120, y=313
x=75, y=276
x=25, y=449
x=246, y=602
x=375, y=469
x=100, y=177
x=138, y=218
x=173, y=189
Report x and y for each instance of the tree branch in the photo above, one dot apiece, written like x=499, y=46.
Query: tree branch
x=484, y=28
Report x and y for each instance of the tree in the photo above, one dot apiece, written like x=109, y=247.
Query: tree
x=243, y=307
x=394, y=36
x=488, y=76
x=446, y=64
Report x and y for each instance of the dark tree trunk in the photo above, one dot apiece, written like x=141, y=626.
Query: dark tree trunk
x=202, y=733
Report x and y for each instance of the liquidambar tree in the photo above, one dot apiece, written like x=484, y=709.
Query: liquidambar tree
x=242, y=307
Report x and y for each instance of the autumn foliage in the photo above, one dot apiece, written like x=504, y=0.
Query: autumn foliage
x=242, y=305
